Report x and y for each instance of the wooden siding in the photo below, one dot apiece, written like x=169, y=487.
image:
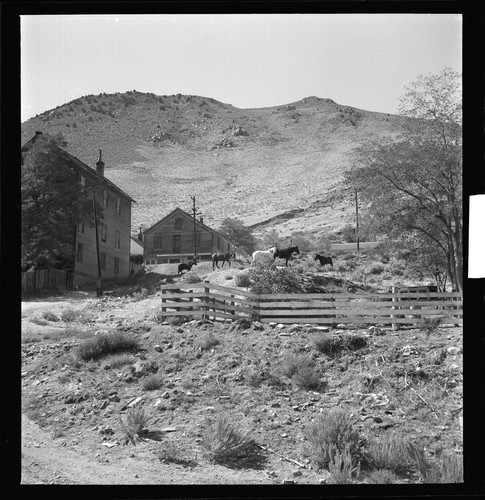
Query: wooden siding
x=87, y=270
x=168, y=229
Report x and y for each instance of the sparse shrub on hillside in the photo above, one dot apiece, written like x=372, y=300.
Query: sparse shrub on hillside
x=333, y=344
x=170, y=452
x=448, y=468
x=388, y=452
x=302, y=371
x=277, y=280
x=382, y=476
x=178, y=320
x=142, y=294
x=340, y=267
x=243, y=280
x=375, y=268
x=191, y=277
x=70, y=315
x=135, y=424
x=119, y=360
x=430, y=324
x=331, y=431
x=343, y=467
x=224, y=441
x=207, y=341
x=105, y=344
x=152, y=382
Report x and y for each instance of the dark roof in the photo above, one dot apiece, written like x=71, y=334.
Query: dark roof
x=182, y=212
x=81, y=167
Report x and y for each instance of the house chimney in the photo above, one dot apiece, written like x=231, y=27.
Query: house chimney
x=100, y=165
x=38, y=133
x=140, y=235
x=201, y=220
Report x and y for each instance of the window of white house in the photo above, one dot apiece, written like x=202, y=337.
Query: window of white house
x=104, y=232
x=103, y=261
x=118, y=205
x=157, y=241
x=117, y=265
x=105, y=198
x=80, y=251
x=82, y=180
x=81, y=227
x=117, y=239
x=178, y=224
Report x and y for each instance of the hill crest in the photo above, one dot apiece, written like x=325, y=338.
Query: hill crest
x=277, y=167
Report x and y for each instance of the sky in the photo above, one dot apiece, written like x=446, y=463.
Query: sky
x=247, y=60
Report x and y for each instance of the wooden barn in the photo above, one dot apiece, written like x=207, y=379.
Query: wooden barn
x=171, y=240
x=114, y=232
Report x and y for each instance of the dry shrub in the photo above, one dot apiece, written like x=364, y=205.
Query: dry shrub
x=382, y=476
x=331, y=431
x=224, y=441
x=119, y=360
x=49, y=316
x=389, y=453
x=342, y=466
x=142, y=294
x=302, y=371
x=152, y=383
x=191, y=277
x=105, y=344
x=207, y=341
x=178, y=320
x=136, y=422
x=243, y=280
x=169, y=452
x=448, y=468
x=70, y=316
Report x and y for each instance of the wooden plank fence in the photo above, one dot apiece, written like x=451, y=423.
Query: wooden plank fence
x=210, y=301
x=44, y=279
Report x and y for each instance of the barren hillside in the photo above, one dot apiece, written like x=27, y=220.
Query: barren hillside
x=277, y=167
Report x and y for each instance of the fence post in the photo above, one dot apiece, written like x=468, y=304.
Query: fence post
x=232, y=304
x=206, y=300
x=163, y=302
x=191, y=300
x=395, y=326
x=334, y=324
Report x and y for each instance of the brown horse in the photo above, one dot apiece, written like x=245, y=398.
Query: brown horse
x=224, y=257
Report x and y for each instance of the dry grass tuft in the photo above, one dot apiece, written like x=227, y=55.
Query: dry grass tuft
x=136, y=422
x=331, y=431
x=224, y=441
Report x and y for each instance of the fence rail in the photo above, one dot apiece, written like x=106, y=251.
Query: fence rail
x=207, y=300
x=45, y=279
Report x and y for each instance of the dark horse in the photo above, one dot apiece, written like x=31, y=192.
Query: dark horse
x=216, y=257
x=187, y=267
x=324, y=260
x=286, y=253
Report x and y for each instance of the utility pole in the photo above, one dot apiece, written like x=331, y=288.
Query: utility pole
x=194, y=212
x=99, y=287
x=357, y=219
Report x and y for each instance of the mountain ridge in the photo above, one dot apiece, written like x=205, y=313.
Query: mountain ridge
x=270, y=167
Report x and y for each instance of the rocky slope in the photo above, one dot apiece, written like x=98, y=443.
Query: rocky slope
x=278, y=167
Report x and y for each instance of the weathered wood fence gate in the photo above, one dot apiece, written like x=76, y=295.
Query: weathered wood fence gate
x=210, y=301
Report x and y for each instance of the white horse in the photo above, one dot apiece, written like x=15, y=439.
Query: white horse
x=264, y=257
